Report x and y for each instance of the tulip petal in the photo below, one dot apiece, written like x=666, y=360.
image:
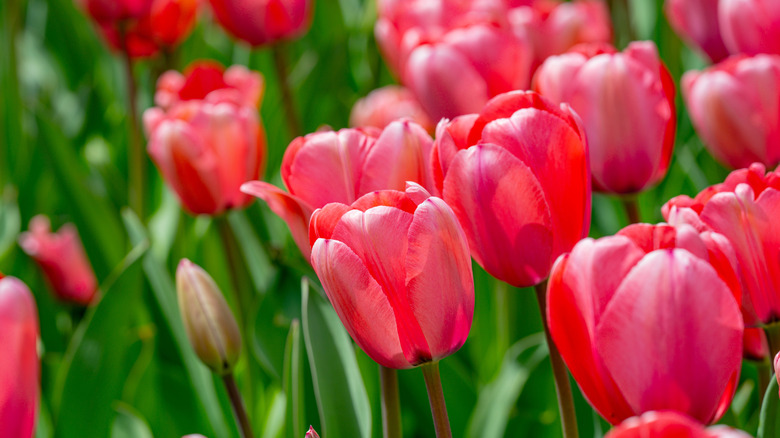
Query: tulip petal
x=401, y=153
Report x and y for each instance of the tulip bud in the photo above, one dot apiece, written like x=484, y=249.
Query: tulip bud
x=387, y=104
x=261, y=22
x=777, y=368
x=670, y=424
x=210, y=324
x=696, y=21
x=311, y=433
x=750, y=26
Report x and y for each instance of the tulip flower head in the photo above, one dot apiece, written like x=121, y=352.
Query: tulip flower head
x=516, y=175
x=311, y=433
x=208, y=80
x=777, y=368
x=262, y=22
x=696, y=21
x=342, y=166
x=617, y=307
x=750, y=26
x=19, y=364
x=386, y=105
x=626, y=102
x=396, y=267
x=62, y=259
x=667, y=424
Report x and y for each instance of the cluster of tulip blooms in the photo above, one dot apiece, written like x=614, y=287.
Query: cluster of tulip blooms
x=532, y=109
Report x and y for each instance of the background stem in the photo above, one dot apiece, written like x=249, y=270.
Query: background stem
x=136, y=161
x=436, y=396
x=391, y=404
x=631, y=206
x=280, y=64
x=238, y=405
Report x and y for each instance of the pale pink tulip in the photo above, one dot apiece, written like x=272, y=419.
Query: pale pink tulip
x=388, y=104
x=696, y=21
x=750, y=26
x=668, y=424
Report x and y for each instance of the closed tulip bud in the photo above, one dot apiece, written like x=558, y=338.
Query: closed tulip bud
x=396, y=267
x=311, y=433
x=19, y=365
x=750, y=26
x=730, y=108
x=696, y=21
x=626, y=102
x=208, y=80
x=210, y=325
x=516, y=175
x=388, y=104
x=62, y=259
x=261, y=22
x=666, y=424
x=777, y=368
x=341, y=167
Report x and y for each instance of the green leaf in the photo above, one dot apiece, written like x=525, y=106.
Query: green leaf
x=769, y=422
x=129, y=424
x=294, y=382
x=341, y=396
x=10, y=222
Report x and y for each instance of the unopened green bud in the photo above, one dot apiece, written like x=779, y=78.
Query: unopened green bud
x=209, y=323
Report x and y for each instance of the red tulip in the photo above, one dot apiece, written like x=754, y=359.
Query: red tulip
x=626, y=102
x=114, y=10
x=261, y=22
x=387, y=104
x=733, y=107
x=667, y=424
x=517, y=177
x=208, y=80
x=755, y=345
x=396, y=267
x=19, y=366
x=645, y=321
x=743, y=209
x=205, y=150
x=342, y=166
x=554, y=26
x=696, y=21
x=750, y=26
x=62, y=259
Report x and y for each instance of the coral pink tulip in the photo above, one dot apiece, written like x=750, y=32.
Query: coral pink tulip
x=207, y=80
x=696, y=21
x=777, y=368
x=311, y=433
x=205, y=150
x=19, y=366
x=554, y=26
x=261, y=22
x=387, y=104
x=750, y=26
x=617, y=307
x=743, y=209
x=62, y=259
x=396, y=267
x=517, y=177
x=735, y=110
x=342, y=166
x=626, y=102
x=667, y=424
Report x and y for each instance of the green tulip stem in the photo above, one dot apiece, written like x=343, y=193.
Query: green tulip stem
x=631, y=206
x=773, y=339
x=391, y=404
x=764, y=371
x=282, y=72
x=136, y=159
x=238, y=405
x=562, y=385
x=436, y=396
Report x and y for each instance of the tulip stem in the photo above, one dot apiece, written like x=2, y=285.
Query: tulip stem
x=773, y=339
x=631, y=206
x=562, y=385
x=436, y=396
x=391, y=405
x=282, y=71
x=136, y=161
x=621, y=15
x=238, y=405
x=764, y=371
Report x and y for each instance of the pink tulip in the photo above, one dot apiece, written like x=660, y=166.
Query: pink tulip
x=387, y=104
x=750, y=26
x=19, y=366
x=261, y=22
x=755, y=345
x=743, y=208
x=667, y=424
x=62, y=259
x=341, y=167
x=696, y=21
x=517, y=177
x=396, y=267
x=777, y=368
x=207, y=80
x=735, y=110
x=553, y=26
x=311, y=433
x=617, y=307
x=205, y=150
x=626, y=102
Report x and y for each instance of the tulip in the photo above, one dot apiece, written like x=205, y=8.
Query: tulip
x=387, y=104
x=645, y=321
x=670, y=424
x=750, y=26
x=341, y=167
x=311, y=433
x=210, y=325
x=261, y=22
x=732, y=107
x=517, y=177
x=205, y=150
x=777, y=368
x=207, y=80
x=396, y=267
x=626, y=102
x=755, y=344
x=19, y=366
x=696, y=21
x=554, y=27
x=62, y=259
